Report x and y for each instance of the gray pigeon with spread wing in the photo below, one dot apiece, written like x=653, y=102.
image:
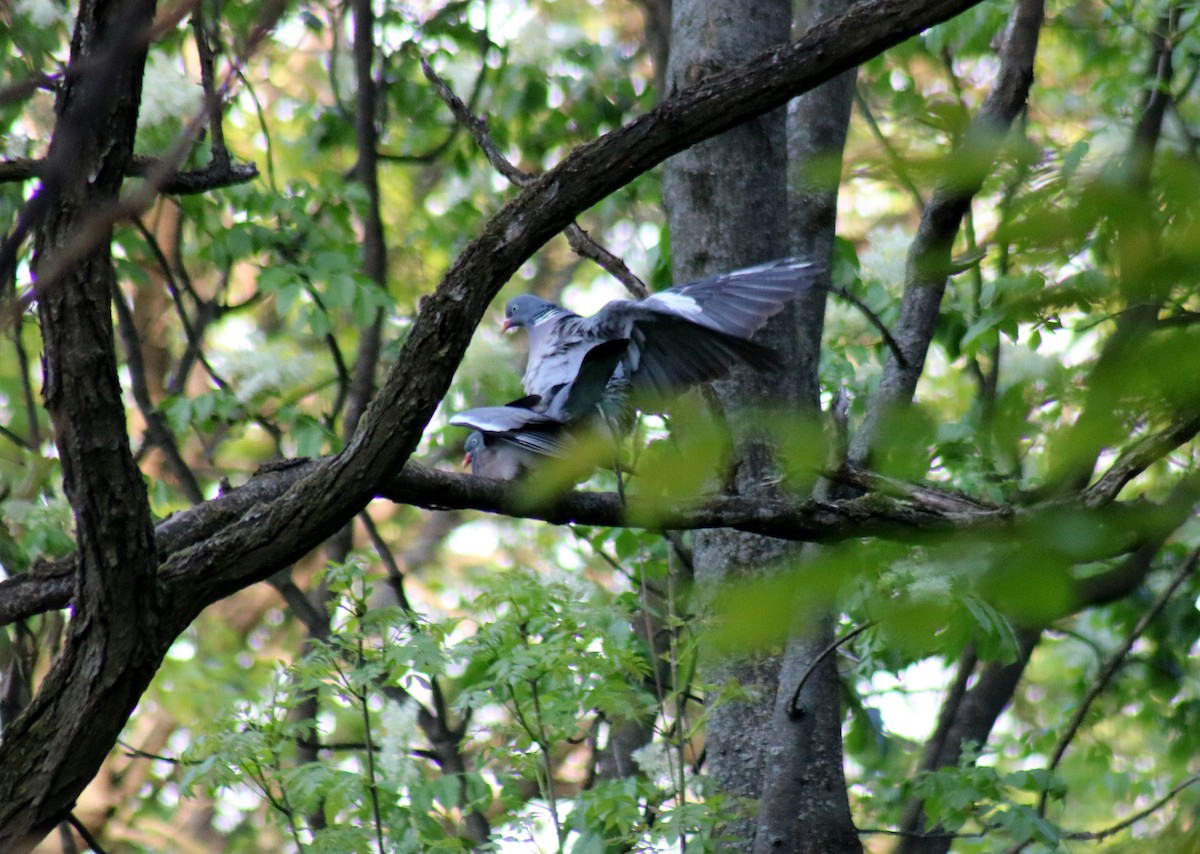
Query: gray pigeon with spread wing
x=677, y=338
x=513, y=439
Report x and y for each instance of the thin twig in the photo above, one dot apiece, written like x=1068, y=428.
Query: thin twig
x=916, y=834
x=157, y=431
x=794, y=710
x=581, y=243
x=395, y=574
x=88, y=840
x=1114, y=661
x=893, y=156
x=874, y=320
x=31, y=407
x=1097, y=835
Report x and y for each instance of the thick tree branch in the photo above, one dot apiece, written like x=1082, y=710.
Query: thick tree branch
x=918, y=516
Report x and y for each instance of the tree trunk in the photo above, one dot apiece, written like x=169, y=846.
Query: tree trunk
x=727, y=202
x=804, y=807
x=113, y=644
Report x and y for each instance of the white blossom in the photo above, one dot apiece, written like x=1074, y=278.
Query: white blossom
x=263, y=368
x=43, y=13
x=655, y=761
x=166, y=92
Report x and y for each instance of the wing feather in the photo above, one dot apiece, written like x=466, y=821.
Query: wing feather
x=736, y=303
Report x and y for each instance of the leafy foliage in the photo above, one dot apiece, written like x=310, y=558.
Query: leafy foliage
x=458, y=671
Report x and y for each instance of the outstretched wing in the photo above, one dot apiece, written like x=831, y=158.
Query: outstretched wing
x=737, y=303
x=672, y=355
x=579, y=399
x=696, y=332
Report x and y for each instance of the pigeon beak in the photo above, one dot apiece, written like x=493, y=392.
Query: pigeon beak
x=467, y=460
x=506, y=326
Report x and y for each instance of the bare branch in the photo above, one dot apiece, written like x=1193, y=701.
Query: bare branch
x=1136, y=459
x=938, y=499
x=1097, y=835
x=875, y=321
x=794, y=707
x=214, y=176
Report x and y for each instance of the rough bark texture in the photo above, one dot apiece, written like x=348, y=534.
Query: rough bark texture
x=804, y=807
x=728, y=205
x=113, y=647
x=726, y=202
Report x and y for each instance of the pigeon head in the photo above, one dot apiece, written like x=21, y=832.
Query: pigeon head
x=526, y=310
x=472, y=447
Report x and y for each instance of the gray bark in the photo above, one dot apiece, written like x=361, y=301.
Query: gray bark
x=804, y=807
x=727, y=201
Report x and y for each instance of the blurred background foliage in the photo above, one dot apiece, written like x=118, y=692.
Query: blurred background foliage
x=528, y=644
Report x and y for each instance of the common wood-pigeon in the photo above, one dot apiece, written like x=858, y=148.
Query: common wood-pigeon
x=677, y=338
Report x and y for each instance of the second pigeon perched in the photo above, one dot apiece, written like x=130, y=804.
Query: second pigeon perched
x=677, y=338
x=513, y=439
